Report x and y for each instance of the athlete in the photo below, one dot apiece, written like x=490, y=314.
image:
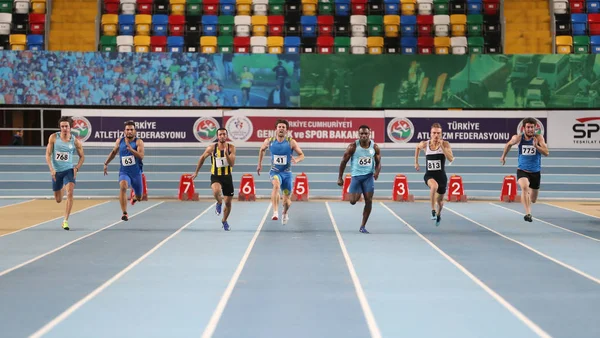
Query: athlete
x=365, y=166
x=531, y=148
x=222, y=156
x=59, y=156
x=131, y=154
x=282, y=148
x=437, y=151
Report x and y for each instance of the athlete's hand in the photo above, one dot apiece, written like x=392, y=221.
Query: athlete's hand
x=417, y=166
x=502, y=160
x=259, y=168
x=294, y=160
x=53, y=174
x=340, y=182
x=105, y=170
x=375, y=176
x=193, y=177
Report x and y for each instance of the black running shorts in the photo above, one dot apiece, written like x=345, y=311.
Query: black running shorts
x=534, y=178
x=226, y=182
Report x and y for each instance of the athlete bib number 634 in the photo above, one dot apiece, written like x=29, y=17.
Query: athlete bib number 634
x=128, y=161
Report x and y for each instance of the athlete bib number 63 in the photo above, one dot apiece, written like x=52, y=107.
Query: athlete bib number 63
x=280, y=160
x=364, y=161
x=62, y=157
x=434, y=165
x=128, y=161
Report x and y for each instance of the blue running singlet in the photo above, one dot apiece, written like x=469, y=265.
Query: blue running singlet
x=530, y=159
x=62, y=155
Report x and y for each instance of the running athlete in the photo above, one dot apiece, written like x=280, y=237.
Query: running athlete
x=281, y=147
x=531, y=148
x=437, y=151
x=131, y=153
x=59, y=156
x=222, y=156
x=365, y=166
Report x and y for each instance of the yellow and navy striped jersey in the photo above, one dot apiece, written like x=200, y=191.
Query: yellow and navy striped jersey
x=219, y=165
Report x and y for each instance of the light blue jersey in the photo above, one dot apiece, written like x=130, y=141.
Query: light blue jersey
x=363, y=160
x=530, y=159
x=62, y=155
x=281, y=154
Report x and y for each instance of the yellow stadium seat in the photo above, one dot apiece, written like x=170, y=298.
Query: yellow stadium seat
x=109, y=24
x=208, y=44
x=309, y=7
x=177, y=7
x=38, y=6
x=243, y=7
x=259, y=25
x=391, y=25
x=141, y=43
x=408, y=7
x=458, y=23
x=18, y=41
x=275, y=44
x=442, y=44
x=142, y=24
x=564, y=44
x=375, y=44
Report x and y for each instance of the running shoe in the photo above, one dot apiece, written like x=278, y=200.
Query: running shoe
x=528, y=218
x=284, y=219
x=218, y=208
x=225, y=226
x=433, y=215
x=65, y=225
x=125, y=217
x=363, y=230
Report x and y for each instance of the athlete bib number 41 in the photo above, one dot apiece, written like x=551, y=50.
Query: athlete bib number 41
x=365, y=161
x=62, y=157
x=528, y=150
x=128, y=161
x=433, y=165
x=279, y=160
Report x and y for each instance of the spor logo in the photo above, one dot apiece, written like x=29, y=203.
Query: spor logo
x=400, y=130
x=205, y=129
x=82, y=128
x=539, y=127
x=239, y=128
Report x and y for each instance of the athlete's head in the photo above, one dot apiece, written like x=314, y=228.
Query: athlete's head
x=436, y=131
x=129, y=129
x=529, y=124
x=282, y=127
x=222, y=135
x=65, y=123
x=364, y=133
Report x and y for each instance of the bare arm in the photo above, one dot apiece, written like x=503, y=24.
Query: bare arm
x=209, y=150
x=347, y=155
x=513, y=140
x=296, y=148
x=139, y=153
x=377, y=161
x=230, y=155
x=420, y=146
x=113, y=153
x=261, y=154
x=79, y=148
x=49, y=151
x=447, y=151
x=541, y=145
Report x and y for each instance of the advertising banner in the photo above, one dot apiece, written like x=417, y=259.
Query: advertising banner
x=575, y=129
x=405, y=129
x=315, y=128
x=185, y=127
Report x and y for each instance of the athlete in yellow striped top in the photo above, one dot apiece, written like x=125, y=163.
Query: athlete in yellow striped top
x=222, y=156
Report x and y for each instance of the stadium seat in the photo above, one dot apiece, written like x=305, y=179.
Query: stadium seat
x=309, y=7
x=391, y=25
x=442, y=44
x=160, y=23
x=175, y=44
x=108, y=43
x=111, y=7
x=242, y=25
x=38, y=6
x=241, y=44
x=194, y=7
x=594, y=43
x=243, y=7
x=18, y=42
x=309, y=26
x=474, y=7
x=458, y=23
x=440, y=24
x=177, y=7
x=408, y=25
x=325, y=25
x=225, y=44
x=125, y=43
x=141, y=43
x=144, y=7
x=392, y=7
x=21, y=7
x=561, y=6
x=325, y=44
x=375, y=25
x=581, y=44
x=208, y=44
x=227, y=7
x=275, y=44
x=358, y=25
x=425, y=45
x=341, y=45
x=408, y=45
x=192, y=42
x=126, y=24
x=20, y=24
x=459, y=45
x=6, y=6
x=259, y=25
x=275, y=25
x=260, y=7
x=358, y=7
x=128, y=7
x=475, y=44
x=564, y=44
x=209, y=25
x=474, y=25
x=5, y=23
x=407, y=7
x=226, y=23
x=276, y=7
x=35, y=42
x=291, y=45
x=160, y=7
x=258, y=44
x=424, y=25
x=358, y=45
x=37, y=23
x=142, y=24
x=375, y=45
x=425, y=7
x=176, y=25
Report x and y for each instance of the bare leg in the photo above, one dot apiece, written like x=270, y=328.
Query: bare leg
x=227, y=209
x=69, y=188
x=275, y=197
x=216, y=188
x=367, y=209
x=526, y=197
x=123, y=199
x=287, y=203
x=533, y=194
x=433, y=187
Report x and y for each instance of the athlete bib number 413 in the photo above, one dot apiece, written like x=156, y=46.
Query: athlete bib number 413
x=279, y=160
x=128, y=161
x=62, y=157
x=365, y=161
x=433, y=165
x=528, y=150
